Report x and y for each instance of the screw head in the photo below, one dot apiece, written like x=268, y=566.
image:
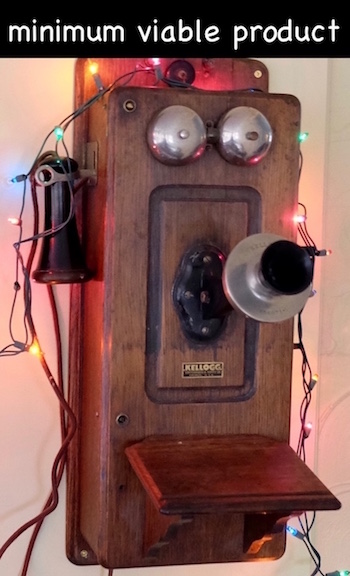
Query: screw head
x=129, y=105
x=84, y=553
x=122, y=419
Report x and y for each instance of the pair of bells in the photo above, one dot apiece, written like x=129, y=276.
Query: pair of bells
x=177, y=135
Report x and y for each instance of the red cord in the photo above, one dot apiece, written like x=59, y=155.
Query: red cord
x=67, y=429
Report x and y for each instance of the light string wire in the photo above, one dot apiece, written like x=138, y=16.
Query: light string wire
x=68, y=421
x=307, y=380
x=67, y=428
x=17, y=345
x=52, y=499
x=308, y=383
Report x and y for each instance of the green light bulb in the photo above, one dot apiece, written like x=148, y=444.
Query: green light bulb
x=303, y=136
x=58, y=131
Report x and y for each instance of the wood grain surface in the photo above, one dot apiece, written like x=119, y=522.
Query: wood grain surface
x=127, y=347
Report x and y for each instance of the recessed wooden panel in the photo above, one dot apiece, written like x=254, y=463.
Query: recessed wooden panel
x=181, y=216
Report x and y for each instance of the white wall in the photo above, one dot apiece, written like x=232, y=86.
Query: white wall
x=35, y=96
x=334, y=397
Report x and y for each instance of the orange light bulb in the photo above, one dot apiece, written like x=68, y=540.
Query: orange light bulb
x=93, y=68
x=35, y=349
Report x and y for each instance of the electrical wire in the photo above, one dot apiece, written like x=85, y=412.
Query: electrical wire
x=52, y=156
x=303, y=231
x=127, y=77
x=62, y=463
x=67, y=417
x=308, y=382
x=56, y=470
x=19, y=345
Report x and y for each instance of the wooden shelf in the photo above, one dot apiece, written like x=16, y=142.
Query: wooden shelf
x=214, y=474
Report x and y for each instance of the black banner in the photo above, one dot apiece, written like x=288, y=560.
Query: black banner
x=225, y=34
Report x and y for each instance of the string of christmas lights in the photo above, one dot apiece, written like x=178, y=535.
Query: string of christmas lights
x=29, y=342
x=309, y=381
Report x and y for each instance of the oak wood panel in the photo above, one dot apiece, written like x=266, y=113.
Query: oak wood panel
x=107, y=505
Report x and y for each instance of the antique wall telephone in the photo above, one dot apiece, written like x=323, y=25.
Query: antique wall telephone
x=183, y=301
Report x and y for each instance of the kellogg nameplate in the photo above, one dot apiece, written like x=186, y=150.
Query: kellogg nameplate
x=203, y=370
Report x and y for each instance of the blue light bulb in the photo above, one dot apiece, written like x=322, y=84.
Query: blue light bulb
x=292, y=530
